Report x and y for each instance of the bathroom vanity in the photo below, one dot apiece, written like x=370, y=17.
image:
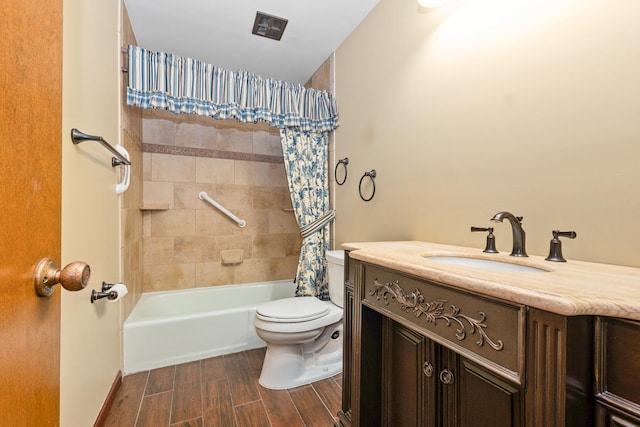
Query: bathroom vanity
x=440, y=335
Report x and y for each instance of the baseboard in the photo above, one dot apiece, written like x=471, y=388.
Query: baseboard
x=108, y=403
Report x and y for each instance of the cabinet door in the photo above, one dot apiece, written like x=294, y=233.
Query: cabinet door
x=607, y=416
x=618, y=362
x=409, y=378
x=485, y=400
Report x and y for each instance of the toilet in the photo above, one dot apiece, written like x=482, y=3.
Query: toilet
x=303, y=334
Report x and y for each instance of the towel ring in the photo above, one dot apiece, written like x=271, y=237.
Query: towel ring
x=372, y=175
x=343, y=162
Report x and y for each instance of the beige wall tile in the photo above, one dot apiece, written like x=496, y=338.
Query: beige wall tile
x=263, y=174
x=271, y=198
x=186, y=195
x=214, y=171
x=244, y=242
x=282, y=222
x=210, y=222
x=244, y=172
x=167, y=167
x=158, y=250
x=133, y=261
x=146, y=224
x=173, y=223
x=233, y=196
x=146, y=166
x=132, y=226
x=322, y=78
x=254, y=270
x=257, y=222
x=170, y=277
x=214, y=274
x=158, y=192
x=234, y=140
x=267, y=143
x=293, y=244
x=195, y=249
x=158, y=131
x=195, y=135
x=277, y=175
x=270, y=246
x=283, y=268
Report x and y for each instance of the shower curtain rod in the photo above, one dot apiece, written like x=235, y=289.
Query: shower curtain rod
x=124, y=50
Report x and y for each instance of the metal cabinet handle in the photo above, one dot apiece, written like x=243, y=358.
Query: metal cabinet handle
x=74, y=277
x=427, y=368
x=447, y=377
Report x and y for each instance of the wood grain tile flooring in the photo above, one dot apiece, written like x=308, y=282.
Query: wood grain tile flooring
x=221, y=391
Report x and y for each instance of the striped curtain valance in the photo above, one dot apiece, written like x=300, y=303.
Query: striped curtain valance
x=184, y=85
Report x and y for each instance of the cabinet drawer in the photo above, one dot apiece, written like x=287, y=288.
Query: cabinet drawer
x=489, y=332
x=618, y=363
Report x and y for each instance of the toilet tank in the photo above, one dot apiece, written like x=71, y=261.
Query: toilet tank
x=335, y=273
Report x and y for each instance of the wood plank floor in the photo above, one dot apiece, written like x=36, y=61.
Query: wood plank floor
x=221, y=391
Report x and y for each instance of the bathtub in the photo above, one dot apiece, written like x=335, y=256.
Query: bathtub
x=168, y=328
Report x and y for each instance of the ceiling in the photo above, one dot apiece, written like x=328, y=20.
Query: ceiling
x=218, y=32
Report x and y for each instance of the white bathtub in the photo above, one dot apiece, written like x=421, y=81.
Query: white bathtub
x=167, y=328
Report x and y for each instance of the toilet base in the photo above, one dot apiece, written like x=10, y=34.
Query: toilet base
x=292, y=365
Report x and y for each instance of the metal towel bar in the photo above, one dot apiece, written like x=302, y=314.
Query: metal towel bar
x=77, y=137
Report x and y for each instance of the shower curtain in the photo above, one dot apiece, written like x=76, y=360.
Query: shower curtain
x=305, y=160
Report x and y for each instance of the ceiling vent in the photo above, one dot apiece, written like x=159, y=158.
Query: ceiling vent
x=269, y=26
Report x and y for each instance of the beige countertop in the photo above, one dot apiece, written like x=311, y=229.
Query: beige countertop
x=572, y=288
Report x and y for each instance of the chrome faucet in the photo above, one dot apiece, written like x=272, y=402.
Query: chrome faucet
x=518, y=232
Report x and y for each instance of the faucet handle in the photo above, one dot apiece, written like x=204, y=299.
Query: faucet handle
x=555, y=248
x=490, y=247
x=520, y=218
x=569, y=234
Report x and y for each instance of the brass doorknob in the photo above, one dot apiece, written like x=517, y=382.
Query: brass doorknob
x=74, y=277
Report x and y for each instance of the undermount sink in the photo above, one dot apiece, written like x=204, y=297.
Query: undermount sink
x=485, y=264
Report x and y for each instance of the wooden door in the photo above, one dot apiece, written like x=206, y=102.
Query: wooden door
x=30, y=208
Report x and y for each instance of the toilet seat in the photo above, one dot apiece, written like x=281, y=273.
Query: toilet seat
x=292, y=310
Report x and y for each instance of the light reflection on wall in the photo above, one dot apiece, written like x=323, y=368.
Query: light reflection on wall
x=473, y=25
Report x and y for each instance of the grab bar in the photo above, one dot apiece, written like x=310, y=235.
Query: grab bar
x=77, y=137
x=203, y=196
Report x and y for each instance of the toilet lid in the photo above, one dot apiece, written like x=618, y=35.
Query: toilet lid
x=298, y=309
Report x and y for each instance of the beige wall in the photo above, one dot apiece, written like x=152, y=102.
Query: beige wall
x=484, y=106
x=241, y=167
x=90, y=333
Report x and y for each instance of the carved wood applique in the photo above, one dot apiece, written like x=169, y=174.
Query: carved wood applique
x=434, y=311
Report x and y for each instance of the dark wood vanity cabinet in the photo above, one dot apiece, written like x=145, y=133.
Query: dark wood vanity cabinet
x=420, y=353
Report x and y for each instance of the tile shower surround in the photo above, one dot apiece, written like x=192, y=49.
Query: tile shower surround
x=244, y=171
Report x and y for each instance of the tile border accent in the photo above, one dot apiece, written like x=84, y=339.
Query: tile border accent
x=205, y=152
